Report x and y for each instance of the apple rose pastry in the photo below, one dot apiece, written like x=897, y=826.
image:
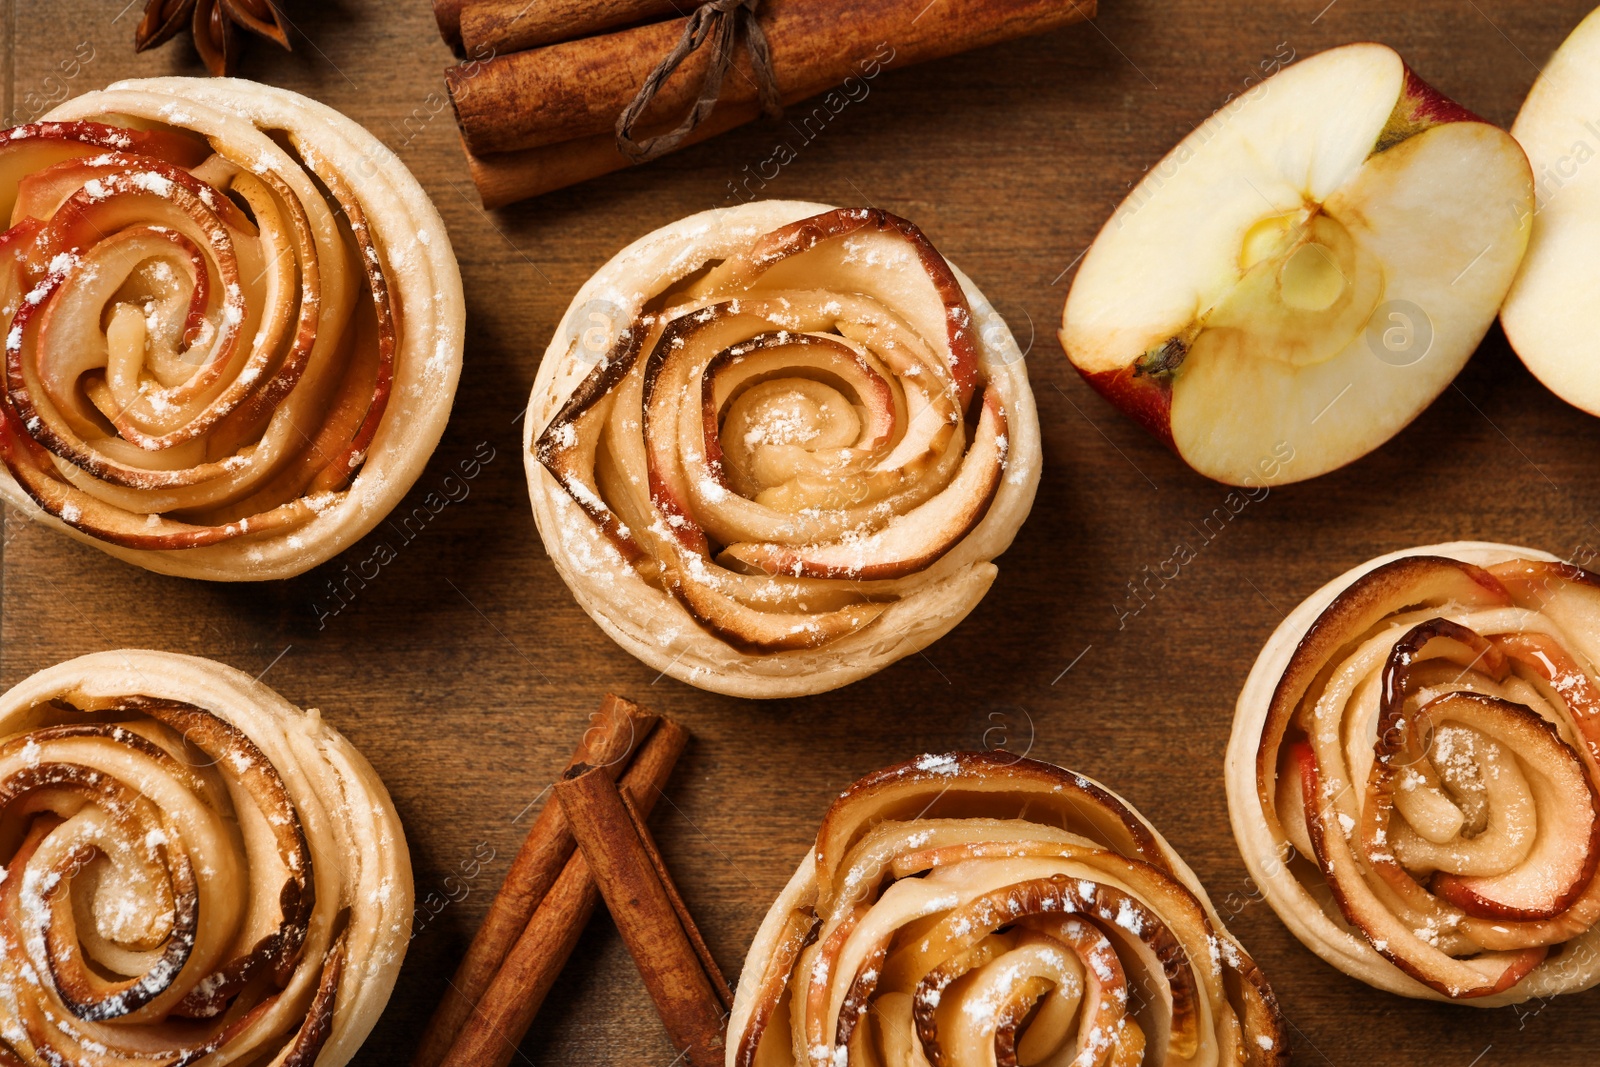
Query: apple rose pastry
x=194, y=870
x=983, y=909
x=774, y=448
x=233, y=326
x=1412, y=774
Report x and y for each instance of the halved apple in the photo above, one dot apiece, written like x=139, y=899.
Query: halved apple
x=1305, y=272
x=1547, y=317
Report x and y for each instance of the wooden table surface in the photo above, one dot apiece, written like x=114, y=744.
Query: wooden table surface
x=465, y=670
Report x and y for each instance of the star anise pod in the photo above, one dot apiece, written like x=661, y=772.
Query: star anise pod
x=215, y=25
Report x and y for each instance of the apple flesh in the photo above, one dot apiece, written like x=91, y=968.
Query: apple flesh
x=1305, y=272
x=1548, y=316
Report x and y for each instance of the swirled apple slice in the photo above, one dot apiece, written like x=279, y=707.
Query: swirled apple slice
x=1419, y=582
x=872, y=253
x=1412, y=951
x=28, y=149
x=1033, y=984
x=959, y=939
x=977, y=785
x=776, y=418
x=910, y=541
x=214, y=451
x=1560, y=809
x=695, y=585
x=689, y=489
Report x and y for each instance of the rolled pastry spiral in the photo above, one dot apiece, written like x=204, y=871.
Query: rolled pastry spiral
x=985, y=910
x=233, y=326
x=1413, y=774
x=774, y=448
x=194, y=871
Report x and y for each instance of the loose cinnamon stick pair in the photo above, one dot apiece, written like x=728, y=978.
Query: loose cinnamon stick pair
x=540, y=118
x=689, y=991
x=552, y=889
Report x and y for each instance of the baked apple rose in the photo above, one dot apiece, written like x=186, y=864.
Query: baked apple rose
x=1413, y=774
x=791, y=455
x=232, y=322
x=988, y=910
x=194, y=870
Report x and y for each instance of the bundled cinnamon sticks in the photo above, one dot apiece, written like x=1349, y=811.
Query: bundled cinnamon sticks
x=588, y=844
x=538, y=104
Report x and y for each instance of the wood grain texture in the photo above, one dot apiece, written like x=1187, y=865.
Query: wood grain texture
x=465, y=671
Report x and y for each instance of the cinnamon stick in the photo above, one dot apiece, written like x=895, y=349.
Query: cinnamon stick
x=502, y=1015
x=448, y=14
x=506, y=177
x=617, y=730
x=690, y=994
x=495, y=27
x=578, y=88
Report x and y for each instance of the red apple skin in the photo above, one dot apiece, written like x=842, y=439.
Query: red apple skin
x=1148, y=400
x=1426, y=106
x=1145, y=399
x=174, y=148
x=1519, y=968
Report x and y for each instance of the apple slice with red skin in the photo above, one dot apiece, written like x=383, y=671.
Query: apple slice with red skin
x=1570, y=596
x=18, y=264
x=668, y=371
x=42, y=193
x=1123, y=905
x=846, y=329
x=820, y=976
x=1562, y=863
x=863, y=250
x=1102, y=908
x=1305, y=272
x=1514, y=873
x=798, y=932
x=1541, y=656
x=1179, y=910
x=981, y=784
x=28, y=149
x=1411, y=582
x=29, y=386
x=752, y=629
x=732, y=384
x=722, y=601
x=911, y=541
x=31, y=436
x=1402, y=749
x=1484, y=975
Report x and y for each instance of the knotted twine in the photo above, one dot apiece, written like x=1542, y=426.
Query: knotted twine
x=718, y=20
